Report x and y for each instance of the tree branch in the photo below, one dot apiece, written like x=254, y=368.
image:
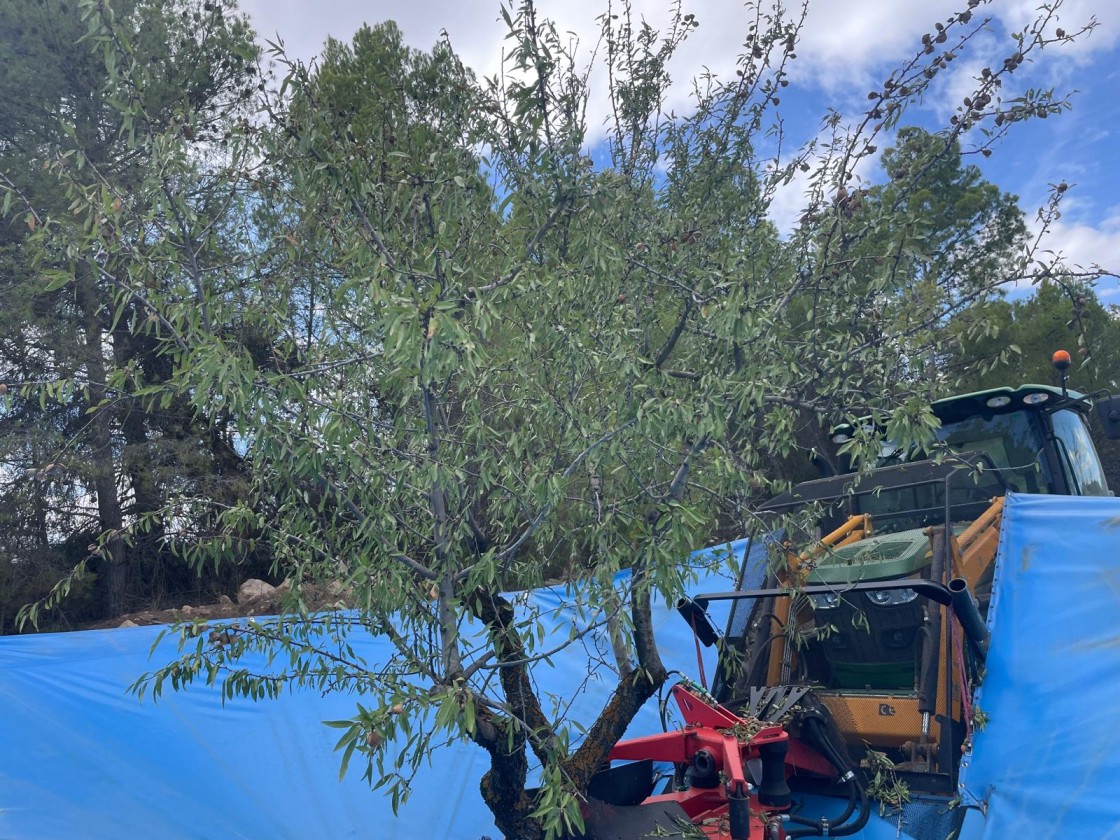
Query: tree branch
x=512, y=550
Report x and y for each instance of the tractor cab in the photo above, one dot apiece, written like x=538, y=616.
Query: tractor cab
x=1037, y=436
x=1031, y=439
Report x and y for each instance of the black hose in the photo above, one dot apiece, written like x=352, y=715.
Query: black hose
x=815, y=824
x=760, y=622
x=853, y=798
x=815, y=722
x=968, y=614
x=864, y=814
x=837, y=828
x=823, y=742
x=663, y=701
x=764, y=647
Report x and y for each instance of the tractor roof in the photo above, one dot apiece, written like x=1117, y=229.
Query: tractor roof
x=998, y=400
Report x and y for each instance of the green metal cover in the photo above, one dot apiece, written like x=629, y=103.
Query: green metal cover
x=875, y=558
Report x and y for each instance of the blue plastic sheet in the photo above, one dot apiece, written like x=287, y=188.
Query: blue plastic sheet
x=1047, y=764
x=80, y=757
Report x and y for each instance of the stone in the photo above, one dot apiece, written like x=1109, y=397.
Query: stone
x=253, y=588
x=128, y=622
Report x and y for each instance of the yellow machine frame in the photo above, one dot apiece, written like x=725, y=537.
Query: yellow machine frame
x=891, y=719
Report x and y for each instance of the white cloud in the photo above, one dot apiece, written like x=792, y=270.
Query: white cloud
x=1083, y=243
x=844, y=48
x=1086, y=244
x=304, y=26
x=789, y=203
x=1071, y=16
x=843, y=40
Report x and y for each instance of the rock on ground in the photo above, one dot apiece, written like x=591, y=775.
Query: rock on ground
x=253, y=588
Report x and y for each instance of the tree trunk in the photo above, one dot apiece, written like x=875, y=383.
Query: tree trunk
x=136, y=459
x=503, y=791
x=503, y=786
x=103, y=466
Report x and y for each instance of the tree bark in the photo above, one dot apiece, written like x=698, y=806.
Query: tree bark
x=503, y=785
x=632, y=692
x=102, y=462
x=136, y=459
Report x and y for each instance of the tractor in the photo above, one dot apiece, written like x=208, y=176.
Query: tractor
x=848, y=667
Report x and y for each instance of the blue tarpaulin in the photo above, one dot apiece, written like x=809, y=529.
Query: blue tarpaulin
x=1047, y=763
x=82, y=758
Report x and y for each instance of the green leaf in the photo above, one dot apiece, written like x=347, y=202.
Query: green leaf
x=345, y=763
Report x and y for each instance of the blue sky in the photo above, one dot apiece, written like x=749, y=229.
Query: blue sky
x=847, y=48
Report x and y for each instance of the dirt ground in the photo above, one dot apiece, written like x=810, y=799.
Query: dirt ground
x=270, y=602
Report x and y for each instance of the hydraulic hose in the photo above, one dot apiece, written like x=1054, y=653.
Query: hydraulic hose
x=821, y=740
x=824, y=827
x=816, y=728
x=853, y=799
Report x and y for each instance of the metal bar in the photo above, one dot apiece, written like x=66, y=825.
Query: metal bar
x=926, y=588
x=932, y=648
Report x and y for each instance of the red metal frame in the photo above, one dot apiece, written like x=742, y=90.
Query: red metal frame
x=712, y=728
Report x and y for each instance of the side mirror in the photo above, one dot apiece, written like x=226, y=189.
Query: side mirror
x=1109, y=412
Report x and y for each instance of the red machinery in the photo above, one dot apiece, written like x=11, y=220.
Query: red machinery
x=729, y=780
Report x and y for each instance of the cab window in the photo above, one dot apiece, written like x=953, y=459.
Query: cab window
x=1013, y=441
x=1080, y=460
